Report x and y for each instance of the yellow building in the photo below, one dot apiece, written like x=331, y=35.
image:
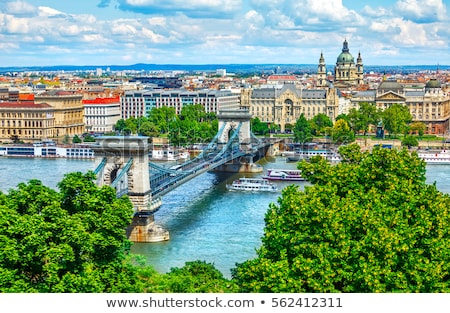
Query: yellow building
x=26, y=121
x=284, y=105
x=68, y=111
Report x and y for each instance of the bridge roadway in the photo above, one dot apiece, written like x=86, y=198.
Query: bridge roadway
x=163, y=180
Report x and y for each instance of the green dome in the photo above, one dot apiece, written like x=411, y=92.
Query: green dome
x=433, y=83
x=345, y=57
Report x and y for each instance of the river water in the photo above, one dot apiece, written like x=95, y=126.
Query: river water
x=206, y=222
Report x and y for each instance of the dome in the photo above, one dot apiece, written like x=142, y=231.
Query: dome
x=345, y=56
x=433, y=83
x=391, y=85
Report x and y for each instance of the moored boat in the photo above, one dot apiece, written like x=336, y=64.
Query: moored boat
x=300, y=154
x=435, y=157
x=252, y=184
x=284, y=174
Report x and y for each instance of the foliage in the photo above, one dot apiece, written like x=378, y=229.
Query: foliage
x=410, y=141
x=320, y=123
x=362, y=118
x=368, y=224
x=162, y=117
x=68, y=241
x=396, y=119
x=341, y=132
x=302, y=130
x=89, y=138
x=418, y=127
x=76, y=139
x=197, y=276
x=257, y=127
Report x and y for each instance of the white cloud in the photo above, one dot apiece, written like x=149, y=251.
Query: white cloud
x=20, y=8
x=422, y=10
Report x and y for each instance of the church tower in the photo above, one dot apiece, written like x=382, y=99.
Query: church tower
x=321, y=72
x=359, y=70
x=346, y=72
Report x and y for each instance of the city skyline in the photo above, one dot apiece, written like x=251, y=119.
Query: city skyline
x=123, y=32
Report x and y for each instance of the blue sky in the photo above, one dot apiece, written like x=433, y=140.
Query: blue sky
x=121, y=32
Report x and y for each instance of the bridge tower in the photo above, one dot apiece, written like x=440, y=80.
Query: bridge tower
x=235, y=120
x=122, y=163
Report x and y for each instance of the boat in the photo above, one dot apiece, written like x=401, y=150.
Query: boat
x=38, y=150
x=300, y=155
x=284, y=174
x=252, y=184
x=435, y=157
x=168, y=154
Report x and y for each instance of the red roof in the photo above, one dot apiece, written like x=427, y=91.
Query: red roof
x=282, y=77
x=102, y=100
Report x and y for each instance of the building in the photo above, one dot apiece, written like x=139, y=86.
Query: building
x=428, y=104
x=282, y=105
x=347, y=73
x=26, y=121
x=101, y=114
x=68, y=111
x=139, y=102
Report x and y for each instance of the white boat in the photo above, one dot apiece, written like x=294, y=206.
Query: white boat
x=168, y=154
x=435, y=157
x=284, y=174
x=252, y=184
x=300, y=155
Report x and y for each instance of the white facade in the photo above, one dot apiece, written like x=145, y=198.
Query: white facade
x=101, y=116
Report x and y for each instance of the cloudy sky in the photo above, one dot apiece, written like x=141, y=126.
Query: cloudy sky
x=121, y=32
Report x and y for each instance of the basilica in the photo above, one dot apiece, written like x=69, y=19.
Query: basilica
x=347, y=73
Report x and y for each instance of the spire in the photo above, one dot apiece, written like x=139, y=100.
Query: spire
x=322, y=59
x=345, y=46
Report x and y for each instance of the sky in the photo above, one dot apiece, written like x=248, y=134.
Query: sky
x=125, y=32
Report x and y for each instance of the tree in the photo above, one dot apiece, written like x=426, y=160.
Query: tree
x=319, y=123
x=368, y=224
x=362, y=118
x=418, y=127
x=76, y=139
x=341, y=132
x=67, y=241
x=410, y=141
x=258, y=127
x=196, y=276
x=162, y=117
x=396, y=119
x=302, y=130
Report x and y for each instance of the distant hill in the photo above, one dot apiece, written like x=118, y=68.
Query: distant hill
x=230, y=68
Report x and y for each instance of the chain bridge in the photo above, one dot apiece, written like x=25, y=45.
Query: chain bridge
x=123, y=163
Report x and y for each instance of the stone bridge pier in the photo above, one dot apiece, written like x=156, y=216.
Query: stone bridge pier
x=122, y=163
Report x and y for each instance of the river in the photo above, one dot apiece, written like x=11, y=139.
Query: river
x=206, y=222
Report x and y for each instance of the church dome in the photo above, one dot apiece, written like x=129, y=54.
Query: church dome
x=345, y=56
x=433, y=83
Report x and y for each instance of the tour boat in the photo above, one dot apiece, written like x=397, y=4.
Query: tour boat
x=252, y=184
x=300, y=154
x=437, y=157
x=284, y=174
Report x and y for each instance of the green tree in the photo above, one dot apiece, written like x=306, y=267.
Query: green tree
x=418, y=127
x=258, y=127
x=193, y=277
x=368, y=224
x=163, y=117
x=149, y=129
x=396, y=119
x=120, y=125
x=320, y=123
x=362, y=118
x=341, y=132
x=410, y=141
x=76, y=139
x=68, y=241
x=302, y=130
